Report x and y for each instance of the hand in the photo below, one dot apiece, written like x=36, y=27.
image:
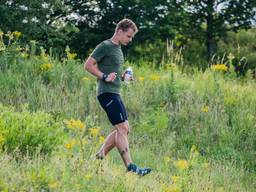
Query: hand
x=111, y=77
x=125, y=78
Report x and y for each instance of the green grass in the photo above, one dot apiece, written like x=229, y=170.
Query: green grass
x=205, y=121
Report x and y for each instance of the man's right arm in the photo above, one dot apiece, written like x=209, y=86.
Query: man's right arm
x=91, y=67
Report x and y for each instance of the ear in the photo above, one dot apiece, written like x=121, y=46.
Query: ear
x=120, y=31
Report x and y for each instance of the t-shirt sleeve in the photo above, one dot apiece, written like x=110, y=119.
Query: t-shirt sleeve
x=99, y=52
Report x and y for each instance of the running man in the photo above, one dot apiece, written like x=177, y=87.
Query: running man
x=105, y=63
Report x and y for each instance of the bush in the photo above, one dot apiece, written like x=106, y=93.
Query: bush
x=241, y=45
x=251, y=61
x=28, y=132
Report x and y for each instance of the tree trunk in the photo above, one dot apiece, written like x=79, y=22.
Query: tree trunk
x=209, y=30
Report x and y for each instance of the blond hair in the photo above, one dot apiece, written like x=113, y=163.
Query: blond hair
x=125, y=24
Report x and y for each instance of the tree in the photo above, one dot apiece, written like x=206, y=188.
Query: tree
x=37, y=20
x=54, y=23
x=96, y=20
x=209, y=20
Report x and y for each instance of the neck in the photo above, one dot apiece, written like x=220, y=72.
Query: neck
x=115, y=39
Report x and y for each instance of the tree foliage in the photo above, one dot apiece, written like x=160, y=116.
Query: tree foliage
x=209, y=20
x=37, y=20
x=83, y=24
x=96, y=19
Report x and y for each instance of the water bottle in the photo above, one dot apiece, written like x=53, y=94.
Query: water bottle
x=128, y=74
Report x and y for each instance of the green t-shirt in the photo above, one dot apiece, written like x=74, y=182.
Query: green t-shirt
x=109, y=58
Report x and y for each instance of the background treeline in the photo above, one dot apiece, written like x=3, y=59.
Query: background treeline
x=205, y=31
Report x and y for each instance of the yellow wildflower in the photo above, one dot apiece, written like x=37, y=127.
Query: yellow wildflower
x=94, y=131
x=167, y=159
x=17, y=34
x=154, y=77
x=70, y=144
x=53, y=184
x=172, y=188
x=219, y=67
x=141, y=78
x=1, y=33
x=46, y=66
x=71, y=55
x=205, y=109
x=181, y=164
x=175, y=178
x=88, y=176
x=101, y=140
x=75, y=124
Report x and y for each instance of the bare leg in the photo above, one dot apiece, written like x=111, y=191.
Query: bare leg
x=121, y=142
x=108, y=144
x=117, y=138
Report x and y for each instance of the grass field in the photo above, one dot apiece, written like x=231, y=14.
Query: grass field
x=196, y=131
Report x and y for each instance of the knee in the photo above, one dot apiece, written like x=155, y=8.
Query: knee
x=123, y=129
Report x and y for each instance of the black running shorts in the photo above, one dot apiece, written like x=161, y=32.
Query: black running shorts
x=114, y=107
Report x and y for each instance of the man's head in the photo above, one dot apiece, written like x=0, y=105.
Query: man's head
x=125, y=31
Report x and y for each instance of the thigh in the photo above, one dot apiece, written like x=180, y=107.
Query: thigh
x=113, y=107
x=123, y=109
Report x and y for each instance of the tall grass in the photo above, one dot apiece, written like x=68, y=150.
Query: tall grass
x=197, y=132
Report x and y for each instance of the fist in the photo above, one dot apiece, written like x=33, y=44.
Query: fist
x=111, y=77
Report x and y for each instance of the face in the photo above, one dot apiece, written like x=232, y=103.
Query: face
x=126, y=36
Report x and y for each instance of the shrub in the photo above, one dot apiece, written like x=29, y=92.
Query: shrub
x=28, y=132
